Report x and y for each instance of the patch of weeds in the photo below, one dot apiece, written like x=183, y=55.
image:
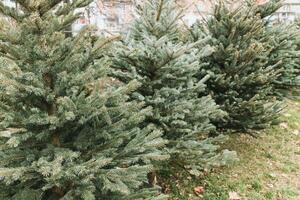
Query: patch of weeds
x=239, y=186
x=255, y=196
x=269, y=195
x=256, y=185
x=215, y=191
x=268, y=155
x=266, y=164
x=290, y=167
x=288, y=192
x=270, y=176
x=215, y=196
x=278, y=146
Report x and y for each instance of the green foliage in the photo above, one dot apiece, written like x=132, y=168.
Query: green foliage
x=67, y=130
x=294, y=71
x=267, y=9
x=153, y=55
x=281, y=42
x=242, y=77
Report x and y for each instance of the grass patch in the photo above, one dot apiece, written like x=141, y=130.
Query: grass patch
x=269, y=167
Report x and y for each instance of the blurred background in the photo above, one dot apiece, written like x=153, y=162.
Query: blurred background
x=114, y=16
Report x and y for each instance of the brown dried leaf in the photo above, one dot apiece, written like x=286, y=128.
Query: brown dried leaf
x=199, y=190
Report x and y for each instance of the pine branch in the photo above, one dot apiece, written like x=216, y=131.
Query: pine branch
x=11, y=12
x=159, y=10
x=24, y=4
x=46, y=6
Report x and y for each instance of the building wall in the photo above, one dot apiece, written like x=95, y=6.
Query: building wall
x=288, y=12
x=114, y=16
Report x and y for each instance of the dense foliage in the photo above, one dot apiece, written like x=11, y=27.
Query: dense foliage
x=166, y=68
x=281, y=43
x=283, y=52
x=83, y=116
x=242, y=77
x=68, y=131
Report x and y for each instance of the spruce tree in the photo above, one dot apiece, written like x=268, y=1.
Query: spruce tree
x=68, y=130
x=280, y=38
x=153, y=54
x=296, y=25
x=241, y=77
x=266, y=9
x=282, y=42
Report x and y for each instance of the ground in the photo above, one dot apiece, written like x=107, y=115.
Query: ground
x=269, y=167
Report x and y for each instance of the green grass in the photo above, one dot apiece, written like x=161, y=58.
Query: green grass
x=269, y=167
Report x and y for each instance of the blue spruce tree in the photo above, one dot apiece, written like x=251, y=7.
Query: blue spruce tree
x=152, y=54
x=67, y=130
x=281, y=41
x=242, y=76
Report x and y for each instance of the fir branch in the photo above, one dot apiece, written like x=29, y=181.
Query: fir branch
x=159, y=10
x=11, y=12
x=25, y=5
x=47, y=6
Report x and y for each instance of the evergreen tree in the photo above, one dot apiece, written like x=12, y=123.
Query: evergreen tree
x=265, y=10
x=280, y=38
x=68, y=130
x=296, y=25
x=242, y=79
x=152, y=54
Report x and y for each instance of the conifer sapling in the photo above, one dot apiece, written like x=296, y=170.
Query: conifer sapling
x=152, y=54
x=68, y=130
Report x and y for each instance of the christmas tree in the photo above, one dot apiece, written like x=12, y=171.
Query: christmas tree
x=241, y=79
x=68, y=131
x=153, y=55
x=266, y=9
x=280, y=42
x=296, y=24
